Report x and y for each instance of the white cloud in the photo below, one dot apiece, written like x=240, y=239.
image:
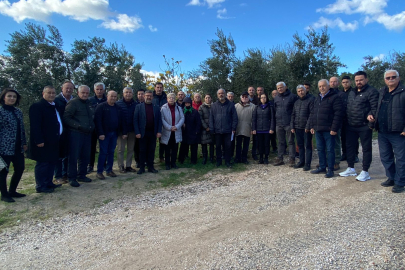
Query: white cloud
x=378, y=58
x=394, y=22
x=152, y=29
x=79, y=10
x=336, y=23
x=221, y=14
x=210, y=3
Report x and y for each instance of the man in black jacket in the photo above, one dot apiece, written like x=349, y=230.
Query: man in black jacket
x=148, y=127
x=361, y=108
x=78, y=117
x=300, y=126
x=159, y=99
x=390, y=123
x=325, y=120
x=223, y=124
x=283, y=106
x=46, y=128
x=334, y=84
x=99, y=97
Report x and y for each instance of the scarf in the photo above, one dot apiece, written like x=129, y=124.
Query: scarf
x=188, y=110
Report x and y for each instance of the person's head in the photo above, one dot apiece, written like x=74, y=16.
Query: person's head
x=346, y=82
x=260, y=91
x=263, y=98
x=221, y=95
x=244, y=98
x=360, y=79
x=323, y=86
x=171, y=98
x=187, y=102
x=67, y=89
x=49, y=93
x=391, y=78
x=111, y=97
x=83, y=92
x=334, y=82
x=141, y=95
x=197, y=98
x=208, y=99
x=159, y=88
x=148, y=97
x=274, y=93
x=281, y=87
x=251, y=91
x=301, y=91
x=180, y=96
x=10, y=97
x=99, y=89
x=230, y=96
x=128, y=93
x=307, y=86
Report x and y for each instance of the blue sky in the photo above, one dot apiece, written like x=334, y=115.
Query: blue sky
x=181, y=28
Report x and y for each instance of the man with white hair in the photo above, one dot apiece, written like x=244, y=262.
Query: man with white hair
x=390, y=123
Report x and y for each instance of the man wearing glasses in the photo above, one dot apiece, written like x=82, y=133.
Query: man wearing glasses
x=390, y=123
x=361, y=112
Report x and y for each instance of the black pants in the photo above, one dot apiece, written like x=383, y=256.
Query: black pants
x=147, y=144
x=254, y=146
x=94, y=139
x=184, y=147
x=304, y=142
x=344, y=141
x=273, y=141
x=19, y=166
x=263, y=142
x=44, y=174
x=161, y=150
x=79, y=154
x=242, y=147
x=136, y=150
x=352, y=139
x=204, y=149
x=171, y=150
x=223, y=141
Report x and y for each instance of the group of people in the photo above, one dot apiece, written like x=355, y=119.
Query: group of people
x=64, y=130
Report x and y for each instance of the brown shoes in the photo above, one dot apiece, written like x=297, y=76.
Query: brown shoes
x=278, y=162
x=100, y=176
x=111, y=174
x=60, y=181
x=122, y=169
x=336, y=167
x=291, y=163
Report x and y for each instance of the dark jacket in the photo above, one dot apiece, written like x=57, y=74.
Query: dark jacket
x=327, y=114
x=8, y=131
x=140, y=119
x=61, y=103
x=192, y=127
x=255, y=100
x=361, y=104
x=344, y=95
x=301, y=112
x=263, y=119
x=182, y=105
x=396, y=109
x=79, y=115
x=204, y=112
x=223, y=117
x=103, y=119
x=159, y=100
x=94, y=101
x=127, y=110
x=44, y=128
x=283, y=105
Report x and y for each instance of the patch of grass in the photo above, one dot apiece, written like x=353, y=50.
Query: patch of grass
x=10, y=217
x=107, y=201
x=174, y=179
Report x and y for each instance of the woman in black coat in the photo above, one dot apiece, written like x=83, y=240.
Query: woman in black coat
x=191, y=132
x=12, y=143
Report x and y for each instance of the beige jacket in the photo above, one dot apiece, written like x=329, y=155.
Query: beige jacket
x=245, y=114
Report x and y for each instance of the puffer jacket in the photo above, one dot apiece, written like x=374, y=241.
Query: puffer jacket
x=204, y=112
x=94, y=101
x=159, y=100
x=327, y=114
x=79, y=115
x=127, y=111
x=396, y=109
x=283, y=105
x=167, y=123
x=192, y=127
x=223, y=117
x=361, y=104
x=245, y=113
x=263, y=118
x=301, y=112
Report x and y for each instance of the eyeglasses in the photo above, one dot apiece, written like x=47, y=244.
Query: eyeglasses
x=391, y=78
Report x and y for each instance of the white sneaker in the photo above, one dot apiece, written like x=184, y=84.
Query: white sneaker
x=349, y=172
x=363, y=176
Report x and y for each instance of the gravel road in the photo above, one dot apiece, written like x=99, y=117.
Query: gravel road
x=264, y=218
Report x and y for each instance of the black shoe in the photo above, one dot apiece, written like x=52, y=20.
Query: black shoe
x=141, y=171
x=356, y=159
x=74, y=183
x=54, y=185
x=255, y=157
x=16, y=194
x=388, y=183
x=174, y=166
x=319, y=170
x=266, y=161
x=228, y=165
x=343, y=158
x=329, y=174
x=398, y=189
x=299, y=165
x=306, y=168
x=45, y=190
x=90, y=169
x=130, y=169
x=7, y=199
x=153, y=170
x=204, y=160
x=84, y=179
x=167, y=167
x=261, y=161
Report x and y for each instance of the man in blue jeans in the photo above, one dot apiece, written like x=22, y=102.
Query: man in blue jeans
x=325, y=120
x=107, y=119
